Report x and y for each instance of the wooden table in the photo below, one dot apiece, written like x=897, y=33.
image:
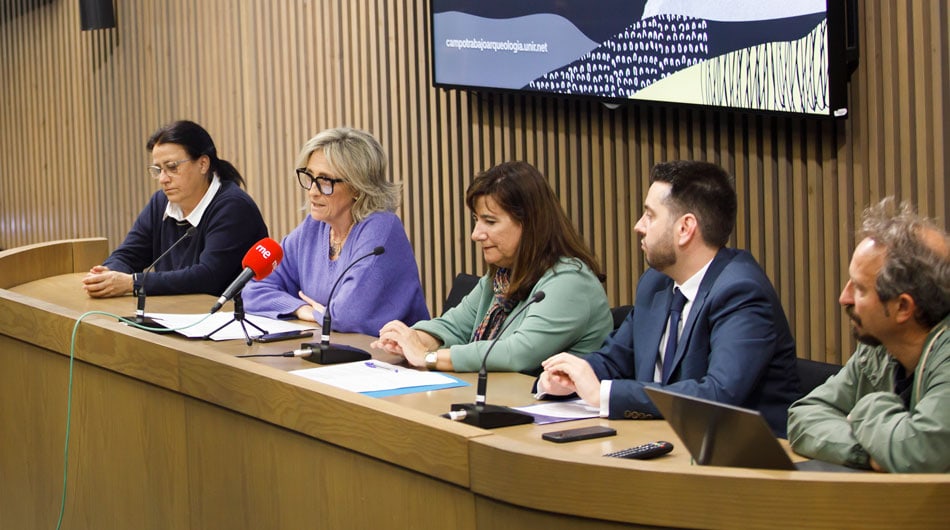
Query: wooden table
x=168, y=432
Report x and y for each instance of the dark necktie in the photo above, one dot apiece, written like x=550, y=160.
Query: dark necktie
x=676, y=308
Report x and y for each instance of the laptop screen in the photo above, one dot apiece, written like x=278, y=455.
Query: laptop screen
x=717, y=434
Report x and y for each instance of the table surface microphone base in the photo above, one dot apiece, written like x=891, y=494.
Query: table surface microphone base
x=491, y=416
x=147, y=322
x=334, y=353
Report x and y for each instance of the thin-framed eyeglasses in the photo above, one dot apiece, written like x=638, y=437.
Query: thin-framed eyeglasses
x=170, y=168
x=307, y=180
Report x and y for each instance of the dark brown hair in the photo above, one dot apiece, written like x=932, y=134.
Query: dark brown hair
x=704, y=190
x=547, y=234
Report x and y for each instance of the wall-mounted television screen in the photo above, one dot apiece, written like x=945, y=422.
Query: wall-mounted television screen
x=785, y=56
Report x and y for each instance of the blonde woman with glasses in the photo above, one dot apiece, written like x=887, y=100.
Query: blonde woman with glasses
x=350, y=205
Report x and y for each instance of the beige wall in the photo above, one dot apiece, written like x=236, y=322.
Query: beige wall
x=263, y=77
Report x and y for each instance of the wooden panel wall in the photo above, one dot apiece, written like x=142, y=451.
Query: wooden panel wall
x=263, y=77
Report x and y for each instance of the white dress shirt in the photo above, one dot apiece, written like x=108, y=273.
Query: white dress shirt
x=689, y=288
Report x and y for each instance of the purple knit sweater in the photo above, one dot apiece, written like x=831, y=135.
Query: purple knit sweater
x=375, y=291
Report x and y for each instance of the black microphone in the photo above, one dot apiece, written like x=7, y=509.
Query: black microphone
x=139, y=317
x=491, y=416
x=324, y=352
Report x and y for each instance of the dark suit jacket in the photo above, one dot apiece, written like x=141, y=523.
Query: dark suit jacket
x=735, y=348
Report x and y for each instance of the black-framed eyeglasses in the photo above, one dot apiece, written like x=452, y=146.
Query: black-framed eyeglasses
x=171, y=168
x=307, y=180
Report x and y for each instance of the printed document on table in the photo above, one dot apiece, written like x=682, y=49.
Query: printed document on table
x=192, y=326
x=374, y=376
x=556, y=411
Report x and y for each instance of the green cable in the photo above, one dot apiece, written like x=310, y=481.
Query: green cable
x=69, y=389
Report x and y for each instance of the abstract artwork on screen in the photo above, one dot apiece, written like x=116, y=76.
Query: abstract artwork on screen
x=769, y=55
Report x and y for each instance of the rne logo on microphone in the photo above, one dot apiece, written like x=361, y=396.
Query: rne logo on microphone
x=263, y=251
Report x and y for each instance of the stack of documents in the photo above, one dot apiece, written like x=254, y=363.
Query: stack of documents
x=379, y=379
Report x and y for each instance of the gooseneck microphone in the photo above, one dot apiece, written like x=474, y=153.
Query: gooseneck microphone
x=140, y=308
x=324, y=352
x=258, y=263
x=492, y=416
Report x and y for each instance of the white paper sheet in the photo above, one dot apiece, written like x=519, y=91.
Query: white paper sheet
x=183, y=324
x=370, y=376
x=555, y=411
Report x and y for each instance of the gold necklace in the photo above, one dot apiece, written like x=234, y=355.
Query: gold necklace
x=336, y=245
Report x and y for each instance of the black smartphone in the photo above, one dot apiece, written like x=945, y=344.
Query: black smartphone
x=284, y=335
x=581, y=433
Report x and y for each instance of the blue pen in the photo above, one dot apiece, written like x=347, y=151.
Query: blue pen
x=371, y=364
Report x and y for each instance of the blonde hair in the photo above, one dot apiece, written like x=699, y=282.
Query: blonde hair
x=357, y=158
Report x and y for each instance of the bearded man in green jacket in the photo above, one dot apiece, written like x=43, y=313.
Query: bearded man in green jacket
x=888, y=408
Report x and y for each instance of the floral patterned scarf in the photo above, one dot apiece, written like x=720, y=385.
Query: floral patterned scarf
x=499, y=310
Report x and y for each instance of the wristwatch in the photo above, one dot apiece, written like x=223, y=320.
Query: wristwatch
x=431, y=358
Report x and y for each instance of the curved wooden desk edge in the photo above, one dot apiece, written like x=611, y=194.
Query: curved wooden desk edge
x=32, y=262
x=367, y=425
x=553, y=479
x=371, y=426
x=540, y=480
x=200, y=370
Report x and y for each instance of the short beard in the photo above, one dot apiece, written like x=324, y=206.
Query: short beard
x=863, y=338
x=662, y=257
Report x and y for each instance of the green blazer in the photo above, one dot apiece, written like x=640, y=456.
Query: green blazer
x=573, y=317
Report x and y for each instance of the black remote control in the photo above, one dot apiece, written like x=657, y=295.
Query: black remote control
x=645, y=451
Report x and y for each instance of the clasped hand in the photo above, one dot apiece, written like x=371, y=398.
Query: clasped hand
x=399, y=339
x=102, y=282
x=565, y=374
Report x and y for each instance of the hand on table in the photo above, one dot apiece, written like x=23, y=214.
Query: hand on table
x=399, y=339
x=565, y=374
x=102, y=282
x=306, y=312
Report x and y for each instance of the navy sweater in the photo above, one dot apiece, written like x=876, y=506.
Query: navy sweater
x=204, y=263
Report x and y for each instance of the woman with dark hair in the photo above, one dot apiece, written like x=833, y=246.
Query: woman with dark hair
x=200, y=191
x=529, y=245
x=350, y=204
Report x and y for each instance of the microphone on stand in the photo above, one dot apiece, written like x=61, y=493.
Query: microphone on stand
x=486, y=416
x=324, y=352
x=258, y=263
x=139, y=317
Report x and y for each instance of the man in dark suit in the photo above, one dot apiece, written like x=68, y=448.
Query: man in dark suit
x=730, y=339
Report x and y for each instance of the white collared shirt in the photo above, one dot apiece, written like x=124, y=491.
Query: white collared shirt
x=174, y=211
x=689, y=288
